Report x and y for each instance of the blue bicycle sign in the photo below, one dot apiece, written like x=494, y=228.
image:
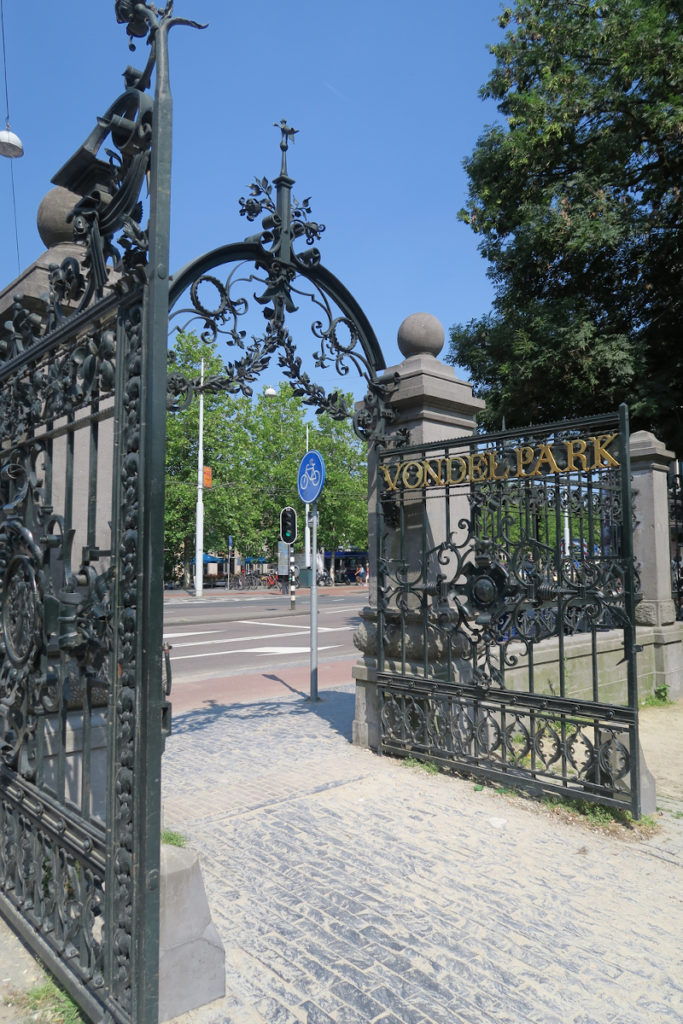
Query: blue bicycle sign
x=311, y=477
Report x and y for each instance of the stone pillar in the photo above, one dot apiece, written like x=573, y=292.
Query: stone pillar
x=650, y=463
x=432, y=404
x=33, y=283
x=661, y=662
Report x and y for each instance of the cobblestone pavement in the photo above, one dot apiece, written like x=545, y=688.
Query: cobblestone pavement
x=351, y=889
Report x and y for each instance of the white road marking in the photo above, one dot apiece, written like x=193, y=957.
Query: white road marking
x=240, y=639
x=264, y=651
x=300, y=631
x=273, y=625
x=198, y=632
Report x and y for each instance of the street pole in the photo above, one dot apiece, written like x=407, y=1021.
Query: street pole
x=314, y=606
x=307, y=531
x=199, y=541
x=292, y=585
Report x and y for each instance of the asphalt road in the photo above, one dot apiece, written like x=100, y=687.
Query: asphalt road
x=222, y=634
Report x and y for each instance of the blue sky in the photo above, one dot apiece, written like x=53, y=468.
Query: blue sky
x=384, y=95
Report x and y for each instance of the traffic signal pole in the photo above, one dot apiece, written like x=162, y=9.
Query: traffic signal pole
x=292, y=583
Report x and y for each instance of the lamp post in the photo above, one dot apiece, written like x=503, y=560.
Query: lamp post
x=199, y=541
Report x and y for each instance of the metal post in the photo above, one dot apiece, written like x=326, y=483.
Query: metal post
x=199, y=540
x=314, y=605
x=631, y=647
x=307, y=529
x=292, y=587
x=146, y=770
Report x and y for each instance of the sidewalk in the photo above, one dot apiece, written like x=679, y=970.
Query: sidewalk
x=351, y=889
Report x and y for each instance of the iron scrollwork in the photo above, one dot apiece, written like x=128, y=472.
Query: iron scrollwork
x=55, y=624
x=268, y=270
x=489, y=569
x=70, y=615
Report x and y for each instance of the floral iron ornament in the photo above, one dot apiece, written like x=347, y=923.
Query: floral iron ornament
x=281, y=278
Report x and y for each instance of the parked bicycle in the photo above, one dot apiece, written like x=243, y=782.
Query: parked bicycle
x=250, y=581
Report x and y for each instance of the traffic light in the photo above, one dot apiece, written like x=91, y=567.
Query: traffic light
x=288, y=525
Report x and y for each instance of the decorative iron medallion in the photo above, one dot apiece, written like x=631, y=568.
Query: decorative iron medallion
x=20, y=620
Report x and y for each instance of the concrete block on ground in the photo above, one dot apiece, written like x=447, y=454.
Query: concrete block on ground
x=191, y=954
x=648, y=785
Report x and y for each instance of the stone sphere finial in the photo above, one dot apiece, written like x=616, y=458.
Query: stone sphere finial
x=52, y=213
x=420, y=334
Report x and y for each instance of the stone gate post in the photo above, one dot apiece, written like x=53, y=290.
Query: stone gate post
x=432, y=404
x=660, y=663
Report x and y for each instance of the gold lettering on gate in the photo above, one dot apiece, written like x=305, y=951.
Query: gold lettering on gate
x=405, y=475
x=525, y=456
x=391, y=484
x=430, y=474
x=478, y=466
x=463, y=470
x=546, y=456
x=494, y=465
x=602, y=457
x=581, y=455
x=575, y=450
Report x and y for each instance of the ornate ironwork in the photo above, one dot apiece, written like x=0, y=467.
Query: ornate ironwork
x=267, y=271
x=497, y=554
x=82, y=404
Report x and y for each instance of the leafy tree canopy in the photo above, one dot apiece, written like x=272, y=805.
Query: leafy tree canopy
x=577, y=201
x=254, y=447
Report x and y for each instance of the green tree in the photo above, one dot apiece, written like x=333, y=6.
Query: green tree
x=254, y=447
x=226, y=450
x=343, y=503
x=577, y=201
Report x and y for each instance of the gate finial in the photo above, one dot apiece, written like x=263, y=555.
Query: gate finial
x=287, y=134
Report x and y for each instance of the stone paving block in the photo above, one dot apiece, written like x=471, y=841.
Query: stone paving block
x=321, y=975
x=389, y=1018
x=358, y=999
x=392, y=998
x=327, y=867
x=276, y=1013
x=421, y=1004
x=338, y=1012
x=314, y=1015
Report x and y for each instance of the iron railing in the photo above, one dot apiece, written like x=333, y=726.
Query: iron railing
x=505, y=619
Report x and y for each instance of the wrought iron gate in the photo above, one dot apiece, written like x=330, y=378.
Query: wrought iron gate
x=506, y=594
x=82, y=422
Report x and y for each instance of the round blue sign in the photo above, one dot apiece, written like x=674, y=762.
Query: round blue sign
x=311, y=477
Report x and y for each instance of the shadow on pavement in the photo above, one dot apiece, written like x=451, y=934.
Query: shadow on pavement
x=336, y=707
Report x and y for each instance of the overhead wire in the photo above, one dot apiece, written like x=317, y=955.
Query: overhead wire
x=7, y=123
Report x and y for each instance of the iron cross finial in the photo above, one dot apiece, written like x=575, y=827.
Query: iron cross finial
x=287, y=134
